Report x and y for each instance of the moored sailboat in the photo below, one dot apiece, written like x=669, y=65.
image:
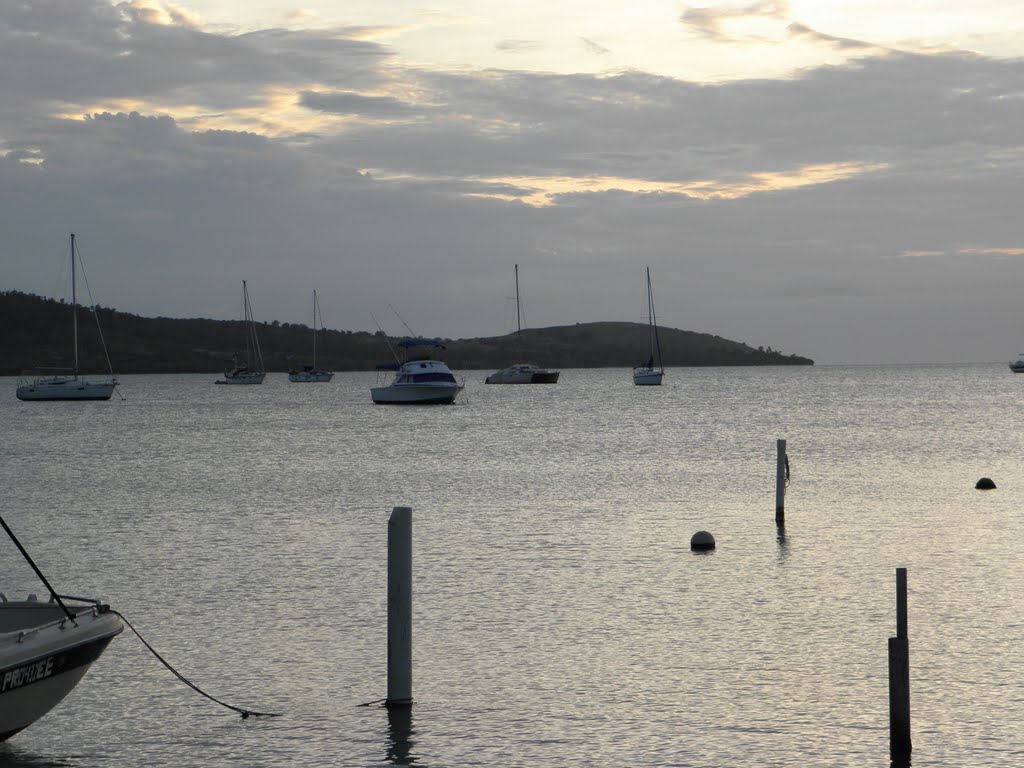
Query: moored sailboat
x=310, y=373
x=66, y=383
x=242, y=373
x=651, y=372
x=522, y=373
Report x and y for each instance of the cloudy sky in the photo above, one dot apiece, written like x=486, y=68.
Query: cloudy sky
x=840, y=179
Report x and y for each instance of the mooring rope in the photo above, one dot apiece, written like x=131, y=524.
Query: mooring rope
x=243, y=712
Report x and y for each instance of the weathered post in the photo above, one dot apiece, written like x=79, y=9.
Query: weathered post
x=781, y=478
x=399, y=608
x=899, y=676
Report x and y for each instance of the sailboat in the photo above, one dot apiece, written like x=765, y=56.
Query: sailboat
x=522, y=373
x=311, y=373
x=241, y=373
x=65, y=383
x=648, y=374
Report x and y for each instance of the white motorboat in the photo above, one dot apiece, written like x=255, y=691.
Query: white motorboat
x=242, y=373
x=1017, y=366
x=45, y=650
x=522, y=373
x=418, y=379
x=65, y=383
x=310, y=373
x=650, y=374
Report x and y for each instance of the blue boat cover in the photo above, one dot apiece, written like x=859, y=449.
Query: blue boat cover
x=406, y=343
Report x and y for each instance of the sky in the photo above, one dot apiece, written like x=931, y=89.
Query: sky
x=834, y=179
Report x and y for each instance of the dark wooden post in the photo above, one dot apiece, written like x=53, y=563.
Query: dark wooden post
x=781, y=473
x=899, y=676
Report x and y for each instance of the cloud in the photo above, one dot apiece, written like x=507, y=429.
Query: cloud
x=187, y=158
x=518, y=46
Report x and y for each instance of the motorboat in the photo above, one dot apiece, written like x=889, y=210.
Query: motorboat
x=45, y=650
x=310, y=373
x=65, y=383
x=242, y=373
x=418, y=379
x=523, y=373
x=1017, y=366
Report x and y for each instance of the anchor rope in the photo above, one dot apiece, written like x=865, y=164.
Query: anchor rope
x=243, y=712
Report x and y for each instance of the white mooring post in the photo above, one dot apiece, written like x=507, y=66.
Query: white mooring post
x=899, y=677
x=781, y=475
x=400, y=608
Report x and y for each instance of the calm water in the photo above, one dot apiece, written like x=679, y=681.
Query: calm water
x=559, y=616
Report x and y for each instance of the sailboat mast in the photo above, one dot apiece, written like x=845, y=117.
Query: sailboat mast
x=314, y=330
x=653, y=319
x=74, y=304
x=519, y=324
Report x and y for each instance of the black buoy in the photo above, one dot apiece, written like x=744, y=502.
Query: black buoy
x=985, y=484
x=702, y=541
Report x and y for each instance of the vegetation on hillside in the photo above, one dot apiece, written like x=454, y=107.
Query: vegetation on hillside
x=35, y=332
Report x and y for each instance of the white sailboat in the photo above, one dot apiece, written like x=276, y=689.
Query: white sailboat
x=310, y=373
x=241, y=373
x=1017, y=366
x=65, y=383
x=650, y=374
x=522, y=373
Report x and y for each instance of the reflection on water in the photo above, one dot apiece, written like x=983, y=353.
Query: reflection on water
x=13, y=756
x=400, y=733
x=780, y=538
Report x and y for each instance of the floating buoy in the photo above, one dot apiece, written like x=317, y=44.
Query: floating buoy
x=985, y=484
x=702, y=540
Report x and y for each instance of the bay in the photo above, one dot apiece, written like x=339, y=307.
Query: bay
x=559, y=614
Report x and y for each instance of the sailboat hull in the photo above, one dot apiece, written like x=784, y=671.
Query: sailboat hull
x=65, y=389
x=306, y=377
x=242, y=378
x=523, y=374
x=647, y=377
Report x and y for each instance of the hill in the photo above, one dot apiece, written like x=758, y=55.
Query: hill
x=37, y=332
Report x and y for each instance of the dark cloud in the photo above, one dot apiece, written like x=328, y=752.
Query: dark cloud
x=346, y=103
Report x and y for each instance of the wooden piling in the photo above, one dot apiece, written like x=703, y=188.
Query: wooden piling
x=781, y=465
x=400, y=608
x=900, y=745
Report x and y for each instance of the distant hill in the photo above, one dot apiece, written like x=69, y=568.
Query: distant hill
x=35, y=331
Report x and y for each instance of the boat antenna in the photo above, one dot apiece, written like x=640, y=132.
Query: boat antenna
x=386, y=339
x=35, y=568
x=410, y=330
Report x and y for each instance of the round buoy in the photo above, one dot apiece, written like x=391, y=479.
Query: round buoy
x=985, y=484
x=702, y=540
